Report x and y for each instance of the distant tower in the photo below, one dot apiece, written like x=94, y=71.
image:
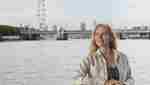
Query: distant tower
x=42, y=15
x=94, y=23
x=83, y=26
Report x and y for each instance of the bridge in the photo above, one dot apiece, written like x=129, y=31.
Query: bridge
x=78, y=34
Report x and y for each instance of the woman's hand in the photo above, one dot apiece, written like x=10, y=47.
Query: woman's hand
x=116, y=82
x=113, y=82
x=107, y=82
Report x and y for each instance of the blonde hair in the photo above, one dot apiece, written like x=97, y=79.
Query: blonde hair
x=93, y=47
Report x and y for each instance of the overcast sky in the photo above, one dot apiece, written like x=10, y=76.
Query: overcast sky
x=73, y=11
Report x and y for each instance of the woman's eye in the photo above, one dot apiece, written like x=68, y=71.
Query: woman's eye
x=96, y=34
x=101, y=36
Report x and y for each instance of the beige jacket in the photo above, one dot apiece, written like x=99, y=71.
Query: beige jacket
x=93, y=70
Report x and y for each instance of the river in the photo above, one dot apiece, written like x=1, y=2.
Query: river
x=50, y=62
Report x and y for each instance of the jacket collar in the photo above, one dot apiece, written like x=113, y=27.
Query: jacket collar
x=100, y=52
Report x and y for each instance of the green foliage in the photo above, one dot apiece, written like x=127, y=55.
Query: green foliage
x=7, y=29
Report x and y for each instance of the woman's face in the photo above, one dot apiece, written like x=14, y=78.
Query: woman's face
x=98, y=36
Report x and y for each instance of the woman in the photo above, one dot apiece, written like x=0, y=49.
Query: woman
x=105, y=65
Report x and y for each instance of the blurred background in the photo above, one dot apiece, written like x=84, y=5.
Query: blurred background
x=43, y=41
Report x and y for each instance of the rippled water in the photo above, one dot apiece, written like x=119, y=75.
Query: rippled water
x=50, y=62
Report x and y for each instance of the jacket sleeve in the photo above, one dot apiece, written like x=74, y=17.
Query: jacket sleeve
x=83, y=73
x=129, y=79
x=85, y=77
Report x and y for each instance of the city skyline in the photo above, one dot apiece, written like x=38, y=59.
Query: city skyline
x=118, y=12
